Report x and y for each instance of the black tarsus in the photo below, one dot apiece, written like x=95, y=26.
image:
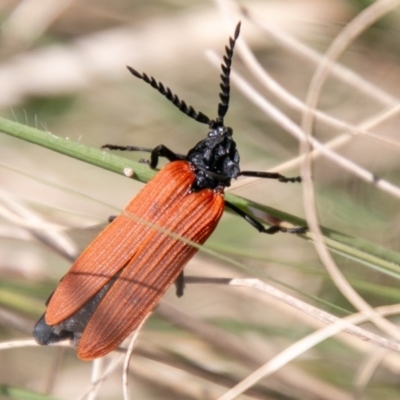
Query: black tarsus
x=270, y=175
x=126, y=148
x=173, y=98
x=155, y=153
x=225, y=77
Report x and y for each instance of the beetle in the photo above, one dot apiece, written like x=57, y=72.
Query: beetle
x=120, y=277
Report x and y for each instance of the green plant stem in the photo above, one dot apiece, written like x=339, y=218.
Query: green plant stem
x=364, y=252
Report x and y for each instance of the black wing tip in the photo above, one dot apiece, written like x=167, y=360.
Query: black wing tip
x=45, y=334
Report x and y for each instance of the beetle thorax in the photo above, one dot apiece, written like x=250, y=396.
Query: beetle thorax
x=215, y=159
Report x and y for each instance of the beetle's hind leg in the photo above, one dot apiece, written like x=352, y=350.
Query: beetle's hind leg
x=180, y=284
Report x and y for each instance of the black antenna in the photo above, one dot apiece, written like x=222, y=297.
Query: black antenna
x=226, y=71
x=173, y=98
x=223, y=94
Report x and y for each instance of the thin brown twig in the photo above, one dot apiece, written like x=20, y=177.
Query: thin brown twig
x=348, y=34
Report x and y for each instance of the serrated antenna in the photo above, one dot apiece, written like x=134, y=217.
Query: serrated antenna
x=225, y=77
x=173, y=98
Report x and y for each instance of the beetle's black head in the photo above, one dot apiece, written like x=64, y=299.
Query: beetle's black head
x=215, y=159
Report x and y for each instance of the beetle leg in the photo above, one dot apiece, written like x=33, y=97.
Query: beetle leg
x=163, y=151
x=159, y=151
x=260, y=227
x=180, y=284
x=270, y=175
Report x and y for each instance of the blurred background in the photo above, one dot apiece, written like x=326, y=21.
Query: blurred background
x=63, y=70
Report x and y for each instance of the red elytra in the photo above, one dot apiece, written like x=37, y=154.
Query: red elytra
x=149, y=259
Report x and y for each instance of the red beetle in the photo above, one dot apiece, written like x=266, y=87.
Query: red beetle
x=123, y=273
